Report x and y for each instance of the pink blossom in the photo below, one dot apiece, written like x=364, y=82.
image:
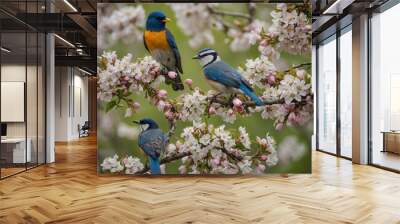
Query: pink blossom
x=189, y=82
x=292, y=118
x=161, y=105
x=271, y=79
x=260, y=168
x=162, y=93
x=169, y=115
x=136, y=105
x=237, y=102
x=264, y=157
x=289, y=107
x=212, y=110
x=172, y=74
x=279, y=126
x=215, y=162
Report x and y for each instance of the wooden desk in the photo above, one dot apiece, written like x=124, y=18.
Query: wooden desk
x=13, y=150
x=391, y=141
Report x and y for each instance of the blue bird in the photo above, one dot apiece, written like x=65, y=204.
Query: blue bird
x=160, y=42
x=152, y=141
x=223, y=77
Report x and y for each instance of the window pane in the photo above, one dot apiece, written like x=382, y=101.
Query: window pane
x=327, y=96
x=346, y=94
x=385, y=114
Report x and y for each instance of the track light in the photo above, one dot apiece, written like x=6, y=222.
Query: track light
x=64, y=40
x=70, y=5
x=5, y=50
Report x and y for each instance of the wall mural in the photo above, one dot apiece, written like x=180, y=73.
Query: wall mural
x=186, y=88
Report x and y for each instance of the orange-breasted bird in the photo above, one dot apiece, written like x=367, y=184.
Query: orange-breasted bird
x=160, y=42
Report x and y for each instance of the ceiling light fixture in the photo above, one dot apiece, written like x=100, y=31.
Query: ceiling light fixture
x=333, y=6
x=337, y=7
x=70, y=5
x=5, y=50
x=86, y=72
x=64, y=40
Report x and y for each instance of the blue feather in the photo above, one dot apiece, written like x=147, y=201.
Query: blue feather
x=153, y=142
x=226, y=75
x=249, y=92
x=172, y=44
x=154, y=166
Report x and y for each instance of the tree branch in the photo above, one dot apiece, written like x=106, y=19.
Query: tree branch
x=231, y=155
x=166, y=160
x=246, y=103
x=299, y=66
x=226, y=13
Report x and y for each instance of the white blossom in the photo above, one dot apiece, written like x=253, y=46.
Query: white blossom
x=292, y=29
x=245, y=37
x=125, y=23
x=244, y=138
x=292, y=88
x=258, y=70
x=126, y=131
x=290, y=149
x=132, y=165
x=112, y=164
x=195, y=21
x=193, y=106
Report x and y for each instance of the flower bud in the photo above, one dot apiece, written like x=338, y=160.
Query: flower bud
x=212, y=110
x=136, y=105
x=189, y=82
x=279, y=126
x=172, y=74
x=236, y=102
x=162, y=93
x=169, y=115
x=264, y=157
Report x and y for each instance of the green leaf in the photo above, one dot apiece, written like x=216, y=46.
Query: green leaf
x=110, y=105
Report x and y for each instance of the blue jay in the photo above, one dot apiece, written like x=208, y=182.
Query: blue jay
x=223, y=77
x=153, y=142
x=160, y=42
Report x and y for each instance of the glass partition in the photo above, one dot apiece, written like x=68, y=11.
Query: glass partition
x=22, y=77
x=13, y=94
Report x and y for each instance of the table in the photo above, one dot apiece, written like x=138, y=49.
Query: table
x=391, y=141
x=13, y=150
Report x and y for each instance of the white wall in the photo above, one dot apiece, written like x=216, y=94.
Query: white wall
x=71, y=94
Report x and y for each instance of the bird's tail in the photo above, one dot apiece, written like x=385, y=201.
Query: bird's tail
x=154, y=166
x=176, y=82
x=250, y=93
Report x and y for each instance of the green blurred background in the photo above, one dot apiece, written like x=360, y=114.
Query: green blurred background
x=112, y=136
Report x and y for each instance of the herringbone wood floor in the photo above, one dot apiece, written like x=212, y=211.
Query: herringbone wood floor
x=70, y=191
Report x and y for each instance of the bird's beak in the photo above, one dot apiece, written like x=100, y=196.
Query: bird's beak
x=166, y=20
x=196, y=57
x=136, y=122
